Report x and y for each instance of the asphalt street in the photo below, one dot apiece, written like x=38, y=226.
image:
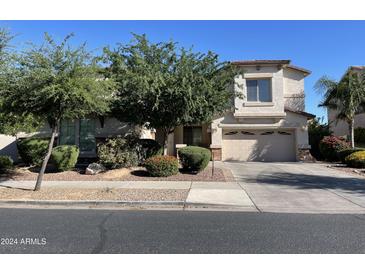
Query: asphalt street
x=122, y=231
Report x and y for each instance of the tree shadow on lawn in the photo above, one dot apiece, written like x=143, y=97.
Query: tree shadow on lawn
x=140, y=173
x=18, y=172
x=10, y=175
x=306, y=181
x=144, y=173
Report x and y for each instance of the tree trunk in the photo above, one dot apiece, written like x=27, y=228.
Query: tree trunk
x=351, y=133
x=165, y=141
x=46, y=159
x=166, y=133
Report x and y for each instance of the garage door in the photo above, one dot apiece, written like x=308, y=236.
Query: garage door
x=259, y=145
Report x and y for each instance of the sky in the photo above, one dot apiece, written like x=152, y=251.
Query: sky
x=324, y=47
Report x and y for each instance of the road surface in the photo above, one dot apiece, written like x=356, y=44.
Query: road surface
x=122, y=231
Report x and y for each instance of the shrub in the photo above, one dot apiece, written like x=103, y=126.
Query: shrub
x=147, y=148
x=356, y=159
x=116, y=153
x=342, y=154
x=194, y=158
x=65, y=157
x=32, y=150
x=162, y=166
x=316, y=132
x=5, y=163
x=331, y=145
x=359, y=135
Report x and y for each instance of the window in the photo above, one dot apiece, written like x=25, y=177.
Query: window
x=259, y=90
x=67, y=132
x=193, y=135
x=231, y=133
x=284, y=133
x=247, y=133
x=78, y=132
x=87, y=135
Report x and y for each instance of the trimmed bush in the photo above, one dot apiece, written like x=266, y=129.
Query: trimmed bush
x=194, y=158
x=356, y=159
x=5, y=163
x=32, y=150
x=359, y=135
x=147, y=148
x=331, y=145
x=65, y=157
x=342, y=154
x=162, y=166
x=116, y=153
x=316, y=132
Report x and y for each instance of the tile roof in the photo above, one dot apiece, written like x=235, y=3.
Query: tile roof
x=260, y=62
x=285, y=63
x=307, y=114
x=306, y=71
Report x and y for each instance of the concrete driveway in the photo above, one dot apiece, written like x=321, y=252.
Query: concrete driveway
x=300, y=187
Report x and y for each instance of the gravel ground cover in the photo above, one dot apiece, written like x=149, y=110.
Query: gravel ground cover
x=358, y=171
x=124, y=174
x=94, y=194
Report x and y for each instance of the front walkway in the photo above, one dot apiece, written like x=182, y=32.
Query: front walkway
x=300, y=187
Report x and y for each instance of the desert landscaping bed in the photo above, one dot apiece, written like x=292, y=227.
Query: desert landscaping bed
x=351, y=170
x=94, y=194
x=123, y=174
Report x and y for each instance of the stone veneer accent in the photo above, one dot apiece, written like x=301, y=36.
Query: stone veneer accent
x=305, y=155
x=216, y=153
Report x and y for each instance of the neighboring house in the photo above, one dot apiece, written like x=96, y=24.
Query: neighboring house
x=268, y=124
x=8, y=146
x=340, y=127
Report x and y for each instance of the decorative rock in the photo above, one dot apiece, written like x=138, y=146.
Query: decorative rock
x=94, y=168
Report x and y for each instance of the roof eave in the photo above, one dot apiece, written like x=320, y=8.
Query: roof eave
x=307, y=114
x=303, y=70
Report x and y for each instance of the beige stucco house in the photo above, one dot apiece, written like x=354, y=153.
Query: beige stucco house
x=340, y=127
x=268, y=124
x=85, y=133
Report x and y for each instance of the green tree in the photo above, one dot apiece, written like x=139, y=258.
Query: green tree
x=11, y=123
x=346, y=97
x=55, y=82
x=164, y=86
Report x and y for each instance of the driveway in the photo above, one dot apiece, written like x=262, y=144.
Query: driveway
x=300, y=187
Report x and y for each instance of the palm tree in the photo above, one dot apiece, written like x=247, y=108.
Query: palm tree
x=346, y=97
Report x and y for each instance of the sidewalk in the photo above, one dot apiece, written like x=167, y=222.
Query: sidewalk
x=225, y=195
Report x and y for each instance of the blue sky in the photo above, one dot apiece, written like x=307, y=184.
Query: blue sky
x=324, y=47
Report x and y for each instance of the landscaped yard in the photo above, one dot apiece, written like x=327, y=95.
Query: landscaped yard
x=347, y=169
x=94, y=194
x=122, y=174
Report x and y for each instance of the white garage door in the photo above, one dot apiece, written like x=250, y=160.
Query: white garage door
x=258, y=145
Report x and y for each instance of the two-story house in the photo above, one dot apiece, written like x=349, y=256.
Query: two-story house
x=268, y=124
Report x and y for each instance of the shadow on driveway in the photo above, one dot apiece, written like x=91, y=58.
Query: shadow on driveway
x=308, y=181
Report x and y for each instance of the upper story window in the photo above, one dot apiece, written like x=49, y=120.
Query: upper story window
x=259, y=90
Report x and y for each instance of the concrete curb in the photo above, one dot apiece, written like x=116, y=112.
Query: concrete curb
x=116, y=203
x=89, y=202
